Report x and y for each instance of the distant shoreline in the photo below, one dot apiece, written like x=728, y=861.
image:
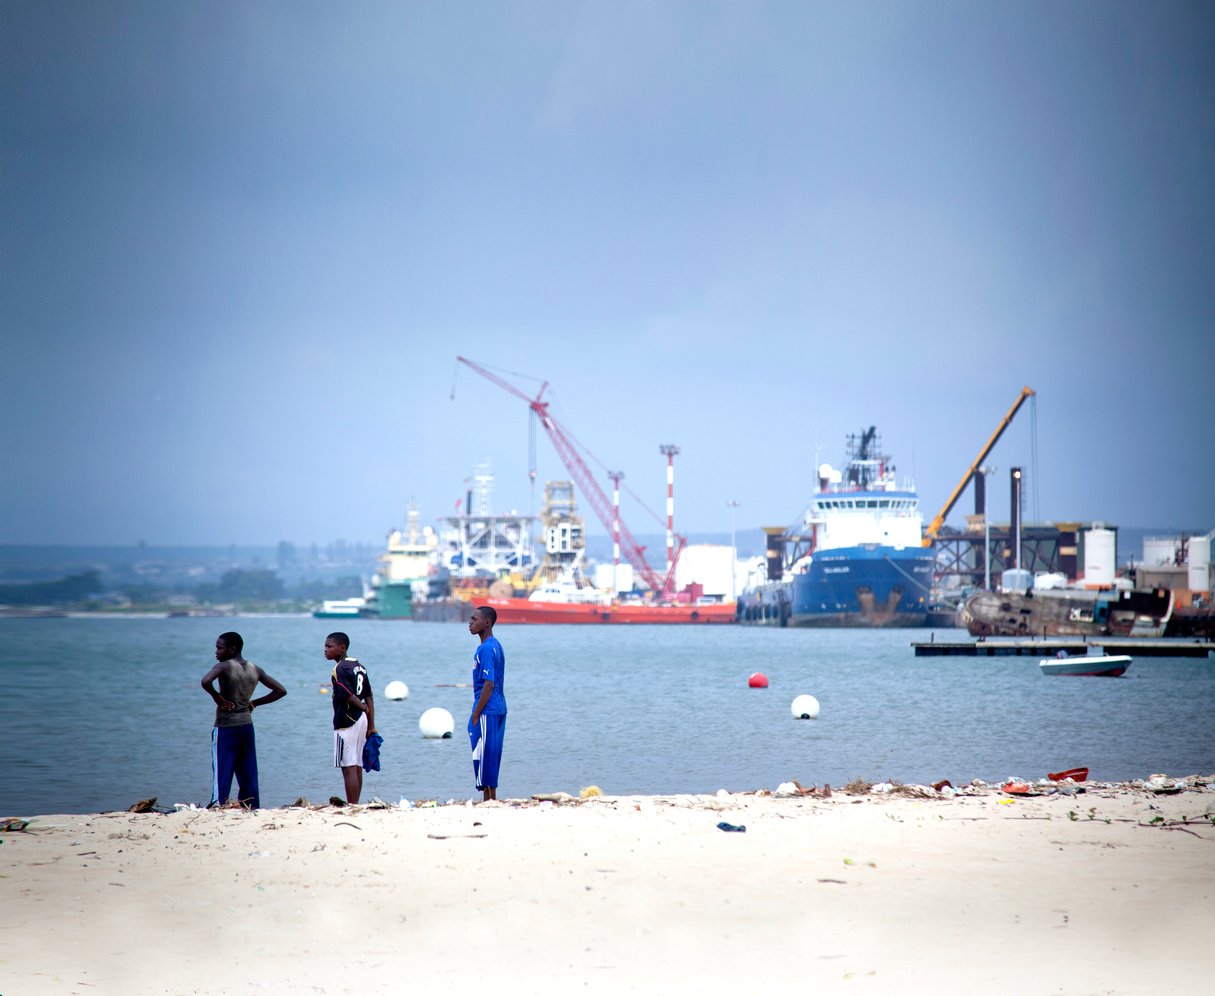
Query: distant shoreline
x=141, y=614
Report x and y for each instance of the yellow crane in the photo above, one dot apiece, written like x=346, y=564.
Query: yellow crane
x=934, y=527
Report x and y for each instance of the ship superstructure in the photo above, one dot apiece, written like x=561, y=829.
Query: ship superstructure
x=564, y=539
x=479, y=545
x=855, y=558
x=406, y=565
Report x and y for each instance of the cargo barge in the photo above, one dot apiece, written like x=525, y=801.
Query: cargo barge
x=548, y=610
x=1068, y=612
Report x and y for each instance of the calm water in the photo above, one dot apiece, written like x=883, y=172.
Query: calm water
x=108, y=711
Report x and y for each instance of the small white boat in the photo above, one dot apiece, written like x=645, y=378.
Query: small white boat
x=340, y=608
x=1095, y=664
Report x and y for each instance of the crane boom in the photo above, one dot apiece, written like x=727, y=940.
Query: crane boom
x=934, y=527
x=594, y=493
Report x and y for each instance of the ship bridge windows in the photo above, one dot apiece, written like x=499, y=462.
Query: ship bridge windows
x=844, y=504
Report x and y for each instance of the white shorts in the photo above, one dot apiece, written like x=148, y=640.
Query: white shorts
x=348, y=744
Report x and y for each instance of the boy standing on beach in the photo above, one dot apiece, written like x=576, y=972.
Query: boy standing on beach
x=353, y=713
x=487, y=724
x=233, y=750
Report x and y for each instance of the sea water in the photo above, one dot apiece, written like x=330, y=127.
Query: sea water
x=101, y=712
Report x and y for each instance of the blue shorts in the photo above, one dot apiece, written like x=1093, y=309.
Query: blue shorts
x=234, y=752
x=486, y=738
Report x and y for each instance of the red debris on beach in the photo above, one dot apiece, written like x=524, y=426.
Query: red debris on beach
x=1075, y=774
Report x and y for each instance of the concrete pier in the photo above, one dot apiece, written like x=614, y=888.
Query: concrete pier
x=1074, y=646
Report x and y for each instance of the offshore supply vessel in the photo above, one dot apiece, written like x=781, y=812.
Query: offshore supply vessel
x=855, y=558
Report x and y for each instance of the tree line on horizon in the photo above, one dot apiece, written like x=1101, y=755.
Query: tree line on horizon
x=247, y=588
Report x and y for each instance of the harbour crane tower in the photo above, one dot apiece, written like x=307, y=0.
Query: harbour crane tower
x=933, y=529
x=568, y=450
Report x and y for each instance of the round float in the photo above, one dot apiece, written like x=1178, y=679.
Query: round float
x=805, y=707
x=396, y=690
x=758, y=680
x=436, y=724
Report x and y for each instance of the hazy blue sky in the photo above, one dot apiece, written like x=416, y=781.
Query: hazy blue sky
x=241, y=245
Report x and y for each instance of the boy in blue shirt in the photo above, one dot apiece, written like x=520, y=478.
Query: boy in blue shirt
x=487, y=724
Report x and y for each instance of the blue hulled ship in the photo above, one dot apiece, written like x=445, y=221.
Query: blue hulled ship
x=854, y=559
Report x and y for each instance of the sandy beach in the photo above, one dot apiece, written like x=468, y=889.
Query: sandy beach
x=1107, y=891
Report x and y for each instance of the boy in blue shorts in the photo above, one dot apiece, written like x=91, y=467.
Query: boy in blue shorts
x=233, y=749
x=487, y=724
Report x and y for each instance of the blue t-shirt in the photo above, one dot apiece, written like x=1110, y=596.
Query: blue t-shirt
x=489, y=664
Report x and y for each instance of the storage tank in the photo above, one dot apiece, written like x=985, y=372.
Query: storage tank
x=1048, y=581
x=624, y=577
x=1200, y=564
x=1159, y=550
x=707, y=564
x=1100, y=557
x=1017, y=579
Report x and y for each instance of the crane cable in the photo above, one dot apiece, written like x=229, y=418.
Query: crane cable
x=555, y=402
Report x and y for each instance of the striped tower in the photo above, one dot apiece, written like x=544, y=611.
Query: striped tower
x=615, y=475
x=670, y=450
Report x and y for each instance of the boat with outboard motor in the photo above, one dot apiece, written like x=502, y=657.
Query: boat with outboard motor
x=1095, y=664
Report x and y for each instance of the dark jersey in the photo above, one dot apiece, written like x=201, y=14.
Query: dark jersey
x=349, y=680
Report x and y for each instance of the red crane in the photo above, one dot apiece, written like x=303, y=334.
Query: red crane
x=568, y=451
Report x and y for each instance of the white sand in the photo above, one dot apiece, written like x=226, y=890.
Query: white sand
x=847, y=894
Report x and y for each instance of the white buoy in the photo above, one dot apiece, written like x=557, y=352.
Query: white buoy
x=396, y=691
x=436, y=724
x=805, y=707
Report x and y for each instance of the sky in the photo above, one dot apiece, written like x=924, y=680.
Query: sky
x=242, y=245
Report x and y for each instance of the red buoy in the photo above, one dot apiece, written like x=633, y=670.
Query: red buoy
x=758, y=680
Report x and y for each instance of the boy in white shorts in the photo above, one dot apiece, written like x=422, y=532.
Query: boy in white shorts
x=353, y=713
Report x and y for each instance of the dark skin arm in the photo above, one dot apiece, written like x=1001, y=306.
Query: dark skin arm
x=486, y=691
x=277, y=691
x=208, y=686
x=367, y=707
